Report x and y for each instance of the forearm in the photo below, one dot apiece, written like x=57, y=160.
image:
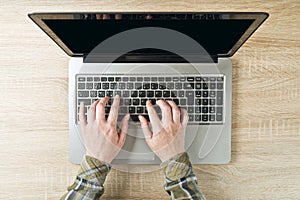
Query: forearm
x=89, y=181
x=181, y=182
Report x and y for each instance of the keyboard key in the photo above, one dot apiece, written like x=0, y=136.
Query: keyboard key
x=138, y=86
x=166, y=93
x=153, y=101
x=204, y=109
x=168, y=79
x=198, y=85
x=219, y=98
x=103, y=79
x=212, y=110
x=126, y=94
x=198, y=110
x=182, y=102
x=190, y=79
x=212, y=93
x=150, y=94
x=219, y=86
x=180, y=93
x=146, y=79
x=190, y=110
x=212, y=86
x=205, y=118
x=197, y=101
x=188, y=85
x=113, y=86
x=153, y=79
x=205, y=79
x=129, y=86
x=140, y=109
x=197, y=118
x=132, y=79
x=93, y=93
x=170, y=86
x=86, y=102
x=219, y=110
x=135, y=102
x=131, y=109
x=97, y=86
x=191, y=117
x=101, y=93
x=107, y=109
x=175, y=79
x=219, y=78
x=125, y=79
x=134, y=94
x=154, y=86
x=161, y=79
x=105, y=86
x=182, y=79
x=127, y=102
x=178, y=86
x=81, y=85
x=162, y=86
x=198, y=93
x=174, y=94
x=198, y=79
x=117, y=79
x=212, y=78
x=96, y=79
x=219, y=117
x=158, y=93
x=109, y=93
x=89, y=79
x=83, y=94
x=205, y=102
x=212, y=102
x=146, y=86
x=142, y=93
x=143, y=102
x=121, y=86
x=205, y=86
x=81, y=79
x=212, y=118
x=135, y=118
x=111, y=79
x=205, y=93
x=139, y=79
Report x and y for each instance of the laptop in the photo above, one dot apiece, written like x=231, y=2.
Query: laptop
x=179, y=56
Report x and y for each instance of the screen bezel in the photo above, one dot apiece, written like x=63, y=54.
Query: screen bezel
x=258, y=17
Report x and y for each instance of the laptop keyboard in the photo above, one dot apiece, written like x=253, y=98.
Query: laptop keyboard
x=201, y=96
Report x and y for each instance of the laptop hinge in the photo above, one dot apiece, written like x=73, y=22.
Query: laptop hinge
x=150, y=58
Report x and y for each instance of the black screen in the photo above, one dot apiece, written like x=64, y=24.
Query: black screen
x=216, y=36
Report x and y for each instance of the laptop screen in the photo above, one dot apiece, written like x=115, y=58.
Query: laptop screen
x=216, y=33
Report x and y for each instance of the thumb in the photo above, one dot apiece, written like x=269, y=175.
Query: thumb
x=145, y=127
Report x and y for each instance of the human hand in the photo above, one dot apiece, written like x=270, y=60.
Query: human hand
x=101, y=138
x=166, y=139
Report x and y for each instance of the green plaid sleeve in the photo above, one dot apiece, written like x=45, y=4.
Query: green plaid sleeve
x=89, y=181
x=181, y=182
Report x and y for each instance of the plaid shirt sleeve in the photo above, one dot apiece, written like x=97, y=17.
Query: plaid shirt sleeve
x=89, y=181
x=181, y=182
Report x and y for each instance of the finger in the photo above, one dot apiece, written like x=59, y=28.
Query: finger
x=175, y=111
x=91, y=113
x=100, y=109
x=145, y=127
x=154, y=119
x=114, y=110
x=185, y=117
x=82, y=118
x=166, y=111
x=124, y=129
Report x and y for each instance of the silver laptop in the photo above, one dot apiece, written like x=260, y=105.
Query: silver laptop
x=182, y=57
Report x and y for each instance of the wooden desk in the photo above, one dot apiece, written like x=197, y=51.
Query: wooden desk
x=266, y=92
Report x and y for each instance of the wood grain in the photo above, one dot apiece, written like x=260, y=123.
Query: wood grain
x=266, y=111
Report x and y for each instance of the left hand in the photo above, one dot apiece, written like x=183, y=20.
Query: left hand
x=101, y=138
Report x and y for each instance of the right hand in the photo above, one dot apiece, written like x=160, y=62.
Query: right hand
x=166, y=139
